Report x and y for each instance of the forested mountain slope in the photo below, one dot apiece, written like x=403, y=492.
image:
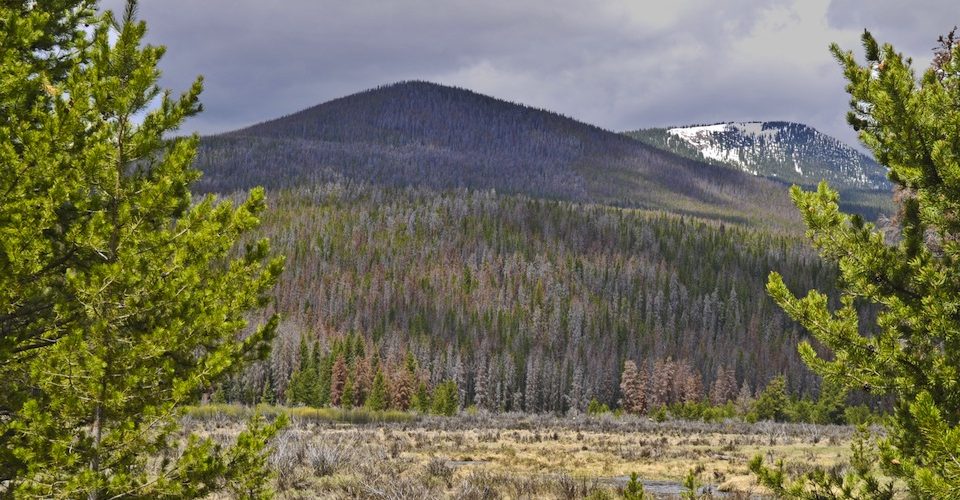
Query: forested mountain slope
x=792, y=153
x=418, y=133
x=521, y=253
x=528, y=304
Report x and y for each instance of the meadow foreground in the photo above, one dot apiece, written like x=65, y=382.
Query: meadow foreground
x=528, y=456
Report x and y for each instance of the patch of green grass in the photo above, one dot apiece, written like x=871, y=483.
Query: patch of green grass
x=302, y=413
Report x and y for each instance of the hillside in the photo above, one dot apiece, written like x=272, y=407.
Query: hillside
x=529, y=304
x=424, y=134
x=790, y=152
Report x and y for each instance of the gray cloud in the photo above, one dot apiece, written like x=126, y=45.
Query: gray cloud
x=621, y=64
x=912, y=27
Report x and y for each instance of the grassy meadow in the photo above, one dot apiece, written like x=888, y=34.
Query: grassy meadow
x=361, y=454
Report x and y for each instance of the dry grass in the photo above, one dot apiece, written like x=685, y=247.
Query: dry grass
x=523, y=456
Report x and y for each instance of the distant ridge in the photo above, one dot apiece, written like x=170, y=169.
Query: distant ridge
x=421, y=133
x=786, y=151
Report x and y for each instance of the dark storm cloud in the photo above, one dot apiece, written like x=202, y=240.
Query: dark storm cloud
x=621, y=64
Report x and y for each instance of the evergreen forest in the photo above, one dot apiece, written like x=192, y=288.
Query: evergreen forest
x=527, y=304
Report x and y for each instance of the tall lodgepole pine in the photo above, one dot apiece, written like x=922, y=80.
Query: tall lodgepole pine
x=122, y=297
x=912, y=353
x=39, y=43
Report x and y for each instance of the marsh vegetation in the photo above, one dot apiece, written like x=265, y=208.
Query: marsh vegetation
x=328, y=455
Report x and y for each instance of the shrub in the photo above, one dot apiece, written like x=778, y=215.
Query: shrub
x=772, y=402
x=634, y=489
x=303, y=413
x=597, y=408
x=859, y=415
x=438, y=468
x=659, y=414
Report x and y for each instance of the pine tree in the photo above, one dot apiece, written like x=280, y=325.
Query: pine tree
x=445, y=399
x=772, y=402
x=421, y=399
x=633, y=388
x=303, y=381
x=724, y=386
x=402, y=390
x=247, y=461
x=338, y=377
x=36, y=183
x=410, y=363
x=218, y=396
x=688, y=386
x=325, y=368
x=267, y=394
x=139, y=303
x=346, y=400
x=378, y=400
x=913, y=351
x=744, y=401
x=831, y=403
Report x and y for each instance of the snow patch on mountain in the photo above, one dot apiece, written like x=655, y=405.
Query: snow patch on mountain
x=792, y=152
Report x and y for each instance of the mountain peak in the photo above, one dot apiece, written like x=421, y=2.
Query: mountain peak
x=426, y=134
x=405, y=107
x=786, y=151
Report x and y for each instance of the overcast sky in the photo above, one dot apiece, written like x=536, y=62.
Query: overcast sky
x=619, y=64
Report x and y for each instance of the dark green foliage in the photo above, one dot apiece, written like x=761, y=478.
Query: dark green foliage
x=421, y=399
x=445, y=399
x=700, y=410
x=325, y=368
x=775, y=403
x=218, y=395
x=379, y=398
x=910, y=351
x=772, y=403
x=831, y=405
x=122, y=298
x=347, y=400
x=267, y=393
x=859, y=415
x=659, y=414
x=247, y=470
x=304, y=387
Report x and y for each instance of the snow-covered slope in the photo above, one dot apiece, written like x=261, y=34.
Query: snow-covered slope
x=791, y=152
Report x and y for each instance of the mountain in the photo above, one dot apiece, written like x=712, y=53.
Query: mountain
x=791, y=152
x=529, y=297
x=424, y=134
